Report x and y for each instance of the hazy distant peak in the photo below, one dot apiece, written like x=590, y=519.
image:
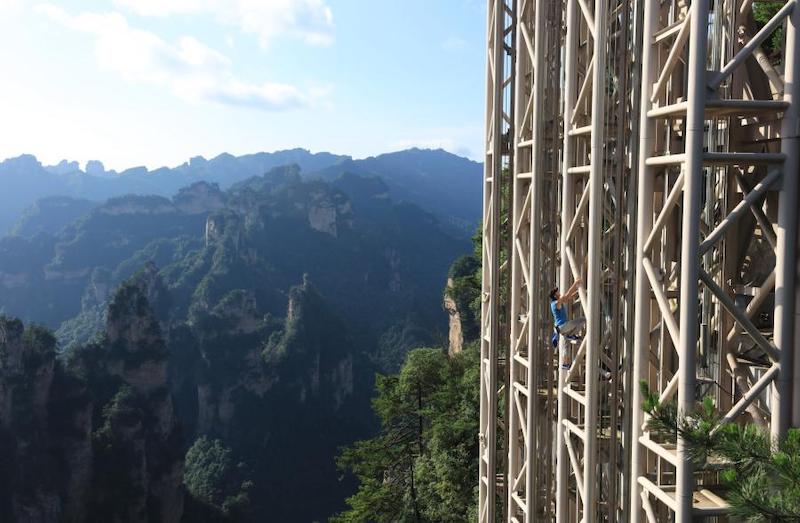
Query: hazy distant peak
x=64, y=167
x=23, y=161
x=134, y=171
x=440, y=154
x=95, y=168
x=417, y=152
x=197, y=161
x=223, y=156
x=275, y=177
x=438, y=181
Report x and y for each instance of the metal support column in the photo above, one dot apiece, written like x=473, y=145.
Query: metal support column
x=786, y=256
x=499, y=83
x=532, y=258
x=690, y=239
x=565, y=273
x=644, y=224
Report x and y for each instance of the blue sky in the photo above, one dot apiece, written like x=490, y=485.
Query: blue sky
x=154, y=82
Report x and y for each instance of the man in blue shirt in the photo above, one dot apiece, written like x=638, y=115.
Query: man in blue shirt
x=572, y=329
x=558, y=306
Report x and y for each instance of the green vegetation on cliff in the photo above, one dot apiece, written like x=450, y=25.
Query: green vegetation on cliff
x=191, y=334
x=214, y=477
x=92, y=436
x=422, y=464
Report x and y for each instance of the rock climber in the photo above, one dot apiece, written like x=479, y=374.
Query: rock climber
x=573, y=328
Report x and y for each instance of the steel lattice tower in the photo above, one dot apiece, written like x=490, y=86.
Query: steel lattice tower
x=650, y=149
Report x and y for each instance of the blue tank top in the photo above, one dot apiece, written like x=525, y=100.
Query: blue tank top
x=559, y=315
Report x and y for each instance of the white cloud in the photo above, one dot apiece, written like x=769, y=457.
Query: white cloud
x=309, y=20
x=190, y=69
x=10, y=5
x=267, y=95
x=164, y=7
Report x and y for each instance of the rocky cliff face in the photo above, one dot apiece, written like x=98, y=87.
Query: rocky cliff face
x=95, y=437
x=282, y=393
x=455, y=331
x=329, y=212
x=314, y=338
x=27, y=364
x=462, y=301
x=199, y=198
x=224, y=226
x=304, y=359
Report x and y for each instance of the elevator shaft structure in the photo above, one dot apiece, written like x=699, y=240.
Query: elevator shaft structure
x=647, y=151
x=498, y=158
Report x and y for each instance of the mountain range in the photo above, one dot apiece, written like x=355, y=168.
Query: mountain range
x=202, y=356
x=439, y=182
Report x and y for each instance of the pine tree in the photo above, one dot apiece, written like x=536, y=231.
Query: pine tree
x=421, y=466
x=761, y=476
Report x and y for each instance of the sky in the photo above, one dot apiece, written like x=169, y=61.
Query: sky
x=155, y=82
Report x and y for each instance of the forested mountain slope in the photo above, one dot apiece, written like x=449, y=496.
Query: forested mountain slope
x=235, y=333
x=436, y=180
x=422, y=463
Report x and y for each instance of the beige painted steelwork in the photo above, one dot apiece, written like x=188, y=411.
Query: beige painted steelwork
x=534, y=218
x=594, y=247
x=500, y=35
x=654, y=156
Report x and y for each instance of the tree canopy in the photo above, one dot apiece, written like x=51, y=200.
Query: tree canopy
x=422, y=465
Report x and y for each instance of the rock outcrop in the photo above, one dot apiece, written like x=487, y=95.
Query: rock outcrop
x=239, y=307
x=199, y=198
x=224, y=226
x=328, y=212
x=125, y=205
x=94, y=438
x=455, y=330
